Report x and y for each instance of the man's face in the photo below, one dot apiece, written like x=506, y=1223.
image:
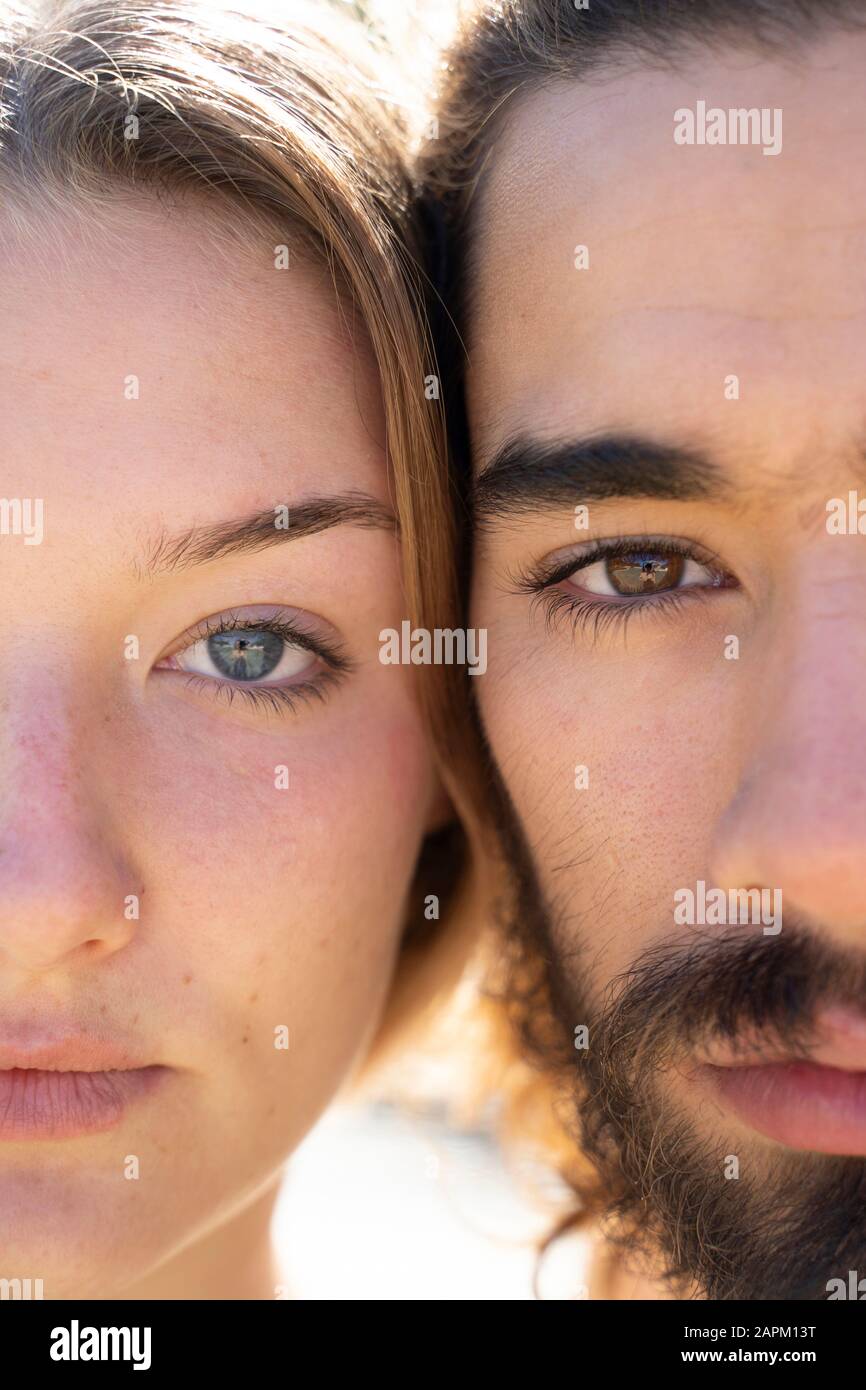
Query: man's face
x=675, y=691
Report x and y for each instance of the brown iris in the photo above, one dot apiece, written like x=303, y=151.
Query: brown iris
x=644, y=571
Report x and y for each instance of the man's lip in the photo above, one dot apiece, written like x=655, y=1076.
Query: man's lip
x=814, y=1101
x=807, y=1107
x=837, y=1039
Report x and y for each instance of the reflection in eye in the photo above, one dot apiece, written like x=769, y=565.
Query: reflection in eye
x=626, y=568
x=642, y=572
x=251, y=655
x=609, y=581
x=272, y=662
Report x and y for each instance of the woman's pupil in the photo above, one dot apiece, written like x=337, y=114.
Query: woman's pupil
x=246, y=658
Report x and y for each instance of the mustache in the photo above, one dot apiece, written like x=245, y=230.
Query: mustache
x=638, y=1165
x=780, y=1235
x=674, y=998
x=678, y=994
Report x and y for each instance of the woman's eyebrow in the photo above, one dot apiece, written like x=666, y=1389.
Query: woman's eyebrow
x=528, y=475
x=274, y=526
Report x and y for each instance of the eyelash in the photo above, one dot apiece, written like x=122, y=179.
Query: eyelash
x=603, y=614
x=275, y=698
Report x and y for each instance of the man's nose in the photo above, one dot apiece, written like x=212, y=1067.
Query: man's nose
x=797, y=820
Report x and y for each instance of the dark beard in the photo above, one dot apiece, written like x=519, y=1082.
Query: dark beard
x=791, y=1221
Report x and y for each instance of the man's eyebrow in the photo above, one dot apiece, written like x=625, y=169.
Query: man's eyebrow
x=527, y=475
x=274, y=526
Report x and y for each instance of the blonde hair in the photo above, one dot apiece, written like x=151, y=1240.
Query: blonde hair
x=292, y=129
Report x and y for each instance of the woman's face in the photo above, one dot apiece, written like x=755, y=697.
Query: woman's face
x=206, y=832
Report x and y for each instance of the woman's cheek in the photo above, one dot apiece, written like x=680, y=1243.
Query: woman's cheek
x=281, y=863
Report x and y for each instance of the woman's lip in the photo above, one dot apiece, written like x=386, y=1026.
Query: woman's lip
x=52, y=1104
x=73, y=1052
x=800, y=1104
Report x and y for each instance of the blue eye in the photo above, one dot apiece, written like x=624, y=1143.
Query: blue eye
x=273, y=662
x=245, y=657
x=248, y=654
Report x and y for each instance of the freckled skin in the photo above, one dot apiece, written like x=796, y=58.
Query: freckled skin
x=703, y=262
x=117, y=778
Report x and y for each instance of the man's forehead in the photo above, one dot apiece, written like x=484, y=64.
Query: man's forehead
x=697, y=258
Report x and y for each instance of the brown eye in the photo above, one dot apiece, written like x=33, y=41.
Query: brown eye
x=644, y=571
